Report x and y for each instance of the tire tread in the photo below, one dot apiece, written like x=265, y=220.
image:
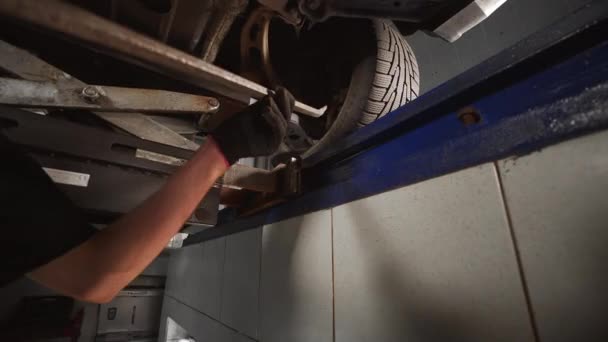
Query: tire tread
x=396, y=81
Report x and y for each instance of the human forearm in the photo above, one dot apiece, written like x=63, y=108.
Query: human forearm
x=100, y=267
x=138, y=237
x=113, y=257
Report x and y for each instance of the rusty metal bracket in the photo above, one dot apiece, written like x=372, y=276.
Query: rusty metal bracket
x=34, y=94
x=24, y=65
x=251, y=178
x=287, y=179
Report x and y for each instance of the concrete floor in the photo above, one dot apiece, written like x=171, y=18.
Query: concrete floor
x=506, y=251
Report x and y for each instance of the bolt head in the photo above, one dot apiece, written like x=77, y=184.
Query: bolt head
x=469, y=116
x=213, y=103
x=90, y=93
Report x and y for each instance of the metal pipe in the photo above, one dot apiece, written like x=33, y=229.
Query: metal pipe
x=33, y=94
x=126, y=44
x=23, y=64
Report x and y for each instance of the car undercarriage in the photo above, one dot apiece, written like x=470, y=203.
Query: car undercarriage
x=347, y=63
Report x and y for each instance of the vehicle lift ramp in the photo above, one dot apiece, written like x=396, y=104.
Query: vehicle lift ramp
x=550, y=87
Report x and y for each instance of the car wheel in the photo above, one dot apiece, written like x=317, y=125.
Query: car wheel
x=360, y=69
x=379, y=85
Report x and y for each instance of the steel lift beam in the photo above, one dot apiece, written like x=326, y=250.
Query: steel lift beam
x=547, y=88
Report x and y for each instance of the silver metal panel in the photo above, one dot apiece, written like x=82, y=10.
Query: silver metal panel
x=432, y=261
x=557, y=202
x=296, y=283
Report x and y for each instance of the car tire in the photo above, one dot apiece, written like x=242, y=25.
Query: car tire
x=379, y=85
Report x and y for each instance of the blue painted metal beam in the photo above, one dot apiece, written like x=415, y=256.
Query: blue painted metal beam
x=568, y=36
x=558, y=101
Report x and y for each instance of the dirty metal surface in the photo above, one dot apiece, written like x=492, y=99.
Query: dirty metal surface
x=251, y=178
x=34, y=94
x=104, y=176
x=62, y=137
x=29, y=67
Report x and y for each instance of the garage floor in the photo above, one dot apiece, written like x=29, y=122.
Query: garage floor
x=505, y=251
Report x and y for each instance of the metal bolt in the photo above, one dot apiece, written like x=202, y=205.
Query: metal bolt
x=90, y=93
x=469, y=116
x=213, y=103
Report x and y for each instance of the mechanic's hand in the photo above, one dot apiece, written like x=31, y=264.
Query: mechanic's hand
x=258, y=130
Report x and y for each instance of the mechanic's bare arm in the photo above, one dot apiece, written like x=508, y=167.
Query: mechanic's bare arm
x=99, y=268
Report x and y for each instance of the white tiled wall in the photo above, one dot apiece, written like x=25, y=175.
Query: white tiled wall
x=195, y=276
x=433, y=261
x=241, y=282
x=275, y=286
x=195, y=324
x=296, y=287
x=558, y=206
x=430, y=262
